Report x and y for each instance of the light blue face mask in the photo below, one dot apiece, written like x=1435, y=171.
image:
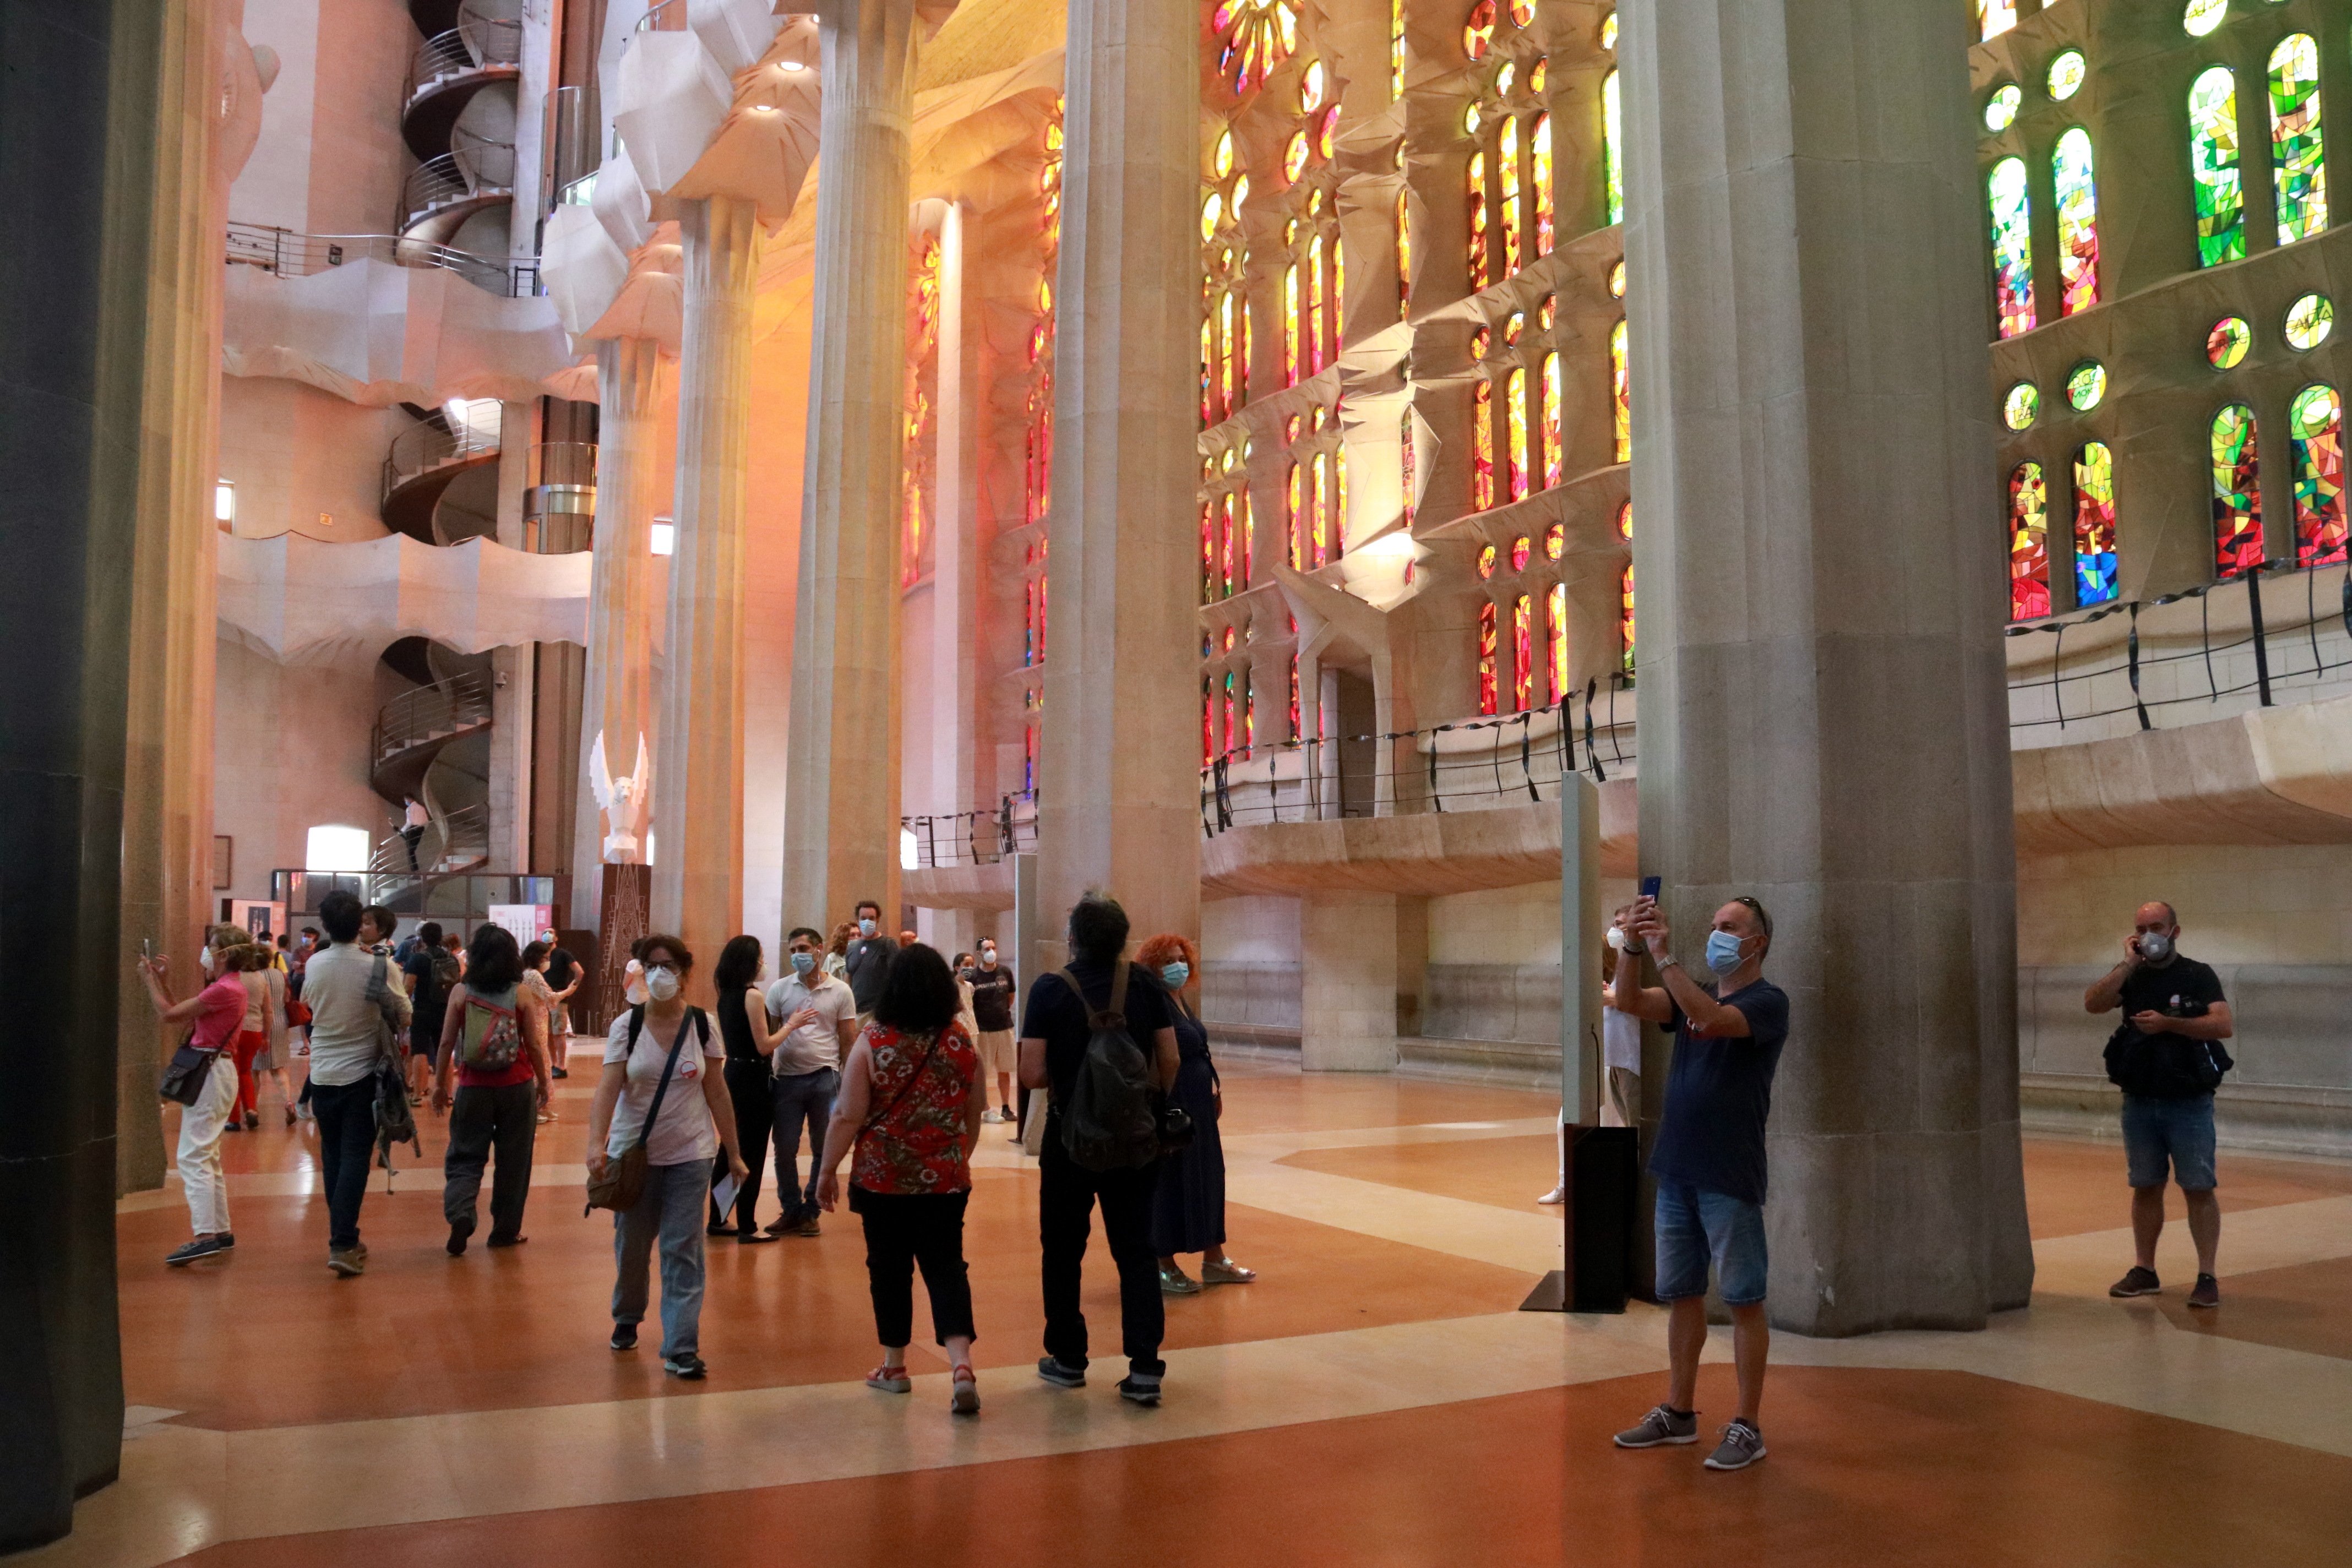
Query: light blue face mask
x=865, y=927
x=1722, y=951
x=1176, y=973
x=803, y=962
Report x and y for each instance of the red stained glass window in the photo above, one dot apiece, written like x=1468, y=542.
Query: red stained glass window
x=1489, y=691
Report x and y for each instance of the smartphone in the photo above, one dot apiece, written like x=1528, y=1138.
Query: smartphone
x=1650, y=885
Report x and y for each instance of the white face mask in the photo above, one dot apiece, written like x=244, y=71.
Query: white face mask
x=661, y=983
x=988, y=957
x=1617, y=938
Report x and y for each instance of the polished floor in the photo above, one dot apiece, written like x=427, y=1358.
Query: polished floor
x=1374, y=1398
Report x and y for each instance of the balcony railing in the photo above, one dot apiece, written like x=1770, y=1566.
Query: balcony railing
x=476, y=43
x=443, y=708
x=291, y=255
x=472, y=167
x=971, y=838
x=425, y=446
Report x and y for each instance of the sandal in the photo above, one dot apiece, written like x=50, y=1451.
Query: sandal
x=891, y=1379
x=1226, y=1273
x=966, y=1399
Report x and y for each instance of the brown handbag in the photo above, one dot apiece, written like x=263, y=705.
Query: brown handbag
x=623, y=1180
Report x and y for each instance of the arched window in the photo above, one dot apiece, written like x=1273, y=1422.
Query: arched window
x=1550, y=425
x=1506, y=165
x=2315, y=423
x=1294, y=348
x=1523, y=655
x=1318, y=345
x=1515, y=425
x=1489, y=688
x=1995, y=18
x=1620, y=393
x=1211, y=587
x=2012, y=247
x=2213, y=165
x=1482, y=272
x=1258, y=35
x=1407, y=469
x=1403, y=253
x=1555, y=638
x=1396, y=50
x=1540, y=150
x=2298, y=170
x=1318, y=536
x=1482, y=447
x=1625, y=594
x=2029, y=543
x=2070, y=175
x=1293, y=524
x=1612, y=146
x=2095, y=525
x=2237, y=493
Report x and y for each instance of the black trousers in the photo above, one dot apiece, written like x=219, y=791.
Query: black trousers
x=747, y=1089
x=505, y=1119
x=902, y=1230
x=1067, y=1196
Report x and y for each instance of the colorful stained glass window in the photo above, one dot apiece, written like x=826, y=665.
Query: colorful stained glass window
x=1540, y=153
x=1482, y=447
x=1522, y=12
x=1488, y=558
x=1550, y=425
x=1617, y=280
x=2029, y=543
x=1293, y=526
x=2086, y=384
x=2204, y=16
x=1523, y=653
x=1258, y=35
x=1609, y=32
x=1555, y=540
x=2067, y=70
x=1481, y=268
x=2308, y=321
x=2078, y=222
x=2213, y=167
x=1555, y=638
x=2315, y=421
x=1318, y=510
x=1620, y=393
x=1514, y=426
x=1318, y=348
x=2000, y=109
x=1625, y=594
x=1294, y=327
x=1522, y=552
x=1478, y=32
x=1995, y=18
x=2226, y=344
x=2012, y=247
x=1613, y=145
x=2095, y=525
x=1208, y=552
x=2237, y=493
x=2298, y=170
x=1396, y=50
x=1489, y=688
x=2018, y=409
x=1506, y=168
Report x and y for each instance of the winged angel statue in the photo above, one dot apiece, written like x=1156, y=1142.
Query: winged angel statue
x=628, y=803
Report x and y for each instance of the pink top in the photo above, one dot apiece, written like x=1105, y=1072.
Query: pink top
x=219, y=1013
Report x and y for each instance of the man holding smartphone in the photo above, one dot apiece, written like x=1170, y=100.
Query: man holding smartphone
x=1709, y=1159
x=2175, y=1018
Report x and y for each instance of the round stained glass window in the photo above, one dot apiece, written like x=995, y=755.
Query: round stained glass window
x=1327, y=130
x=2066, y=74
x=2308, y=321
x=1241, y=195
x=1293, y=157
x=1513, y=325
x=1608, y=31
x=2018, y=408
x=1617, y=281
x=2204, y=16
x=2315, y=412
x=2226, y=344
x=1486, y=562
x=2086, y=384
x=2000, y=109
x=1523, y=12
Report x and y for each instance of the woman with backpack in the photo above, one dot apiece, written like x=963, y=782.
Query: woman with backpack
x=907, y=1103
x=494, y=1041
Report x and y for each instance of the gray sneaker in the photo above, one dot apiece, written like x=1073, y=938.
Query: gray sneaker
x=1661, y=1425
x=1741, y=1446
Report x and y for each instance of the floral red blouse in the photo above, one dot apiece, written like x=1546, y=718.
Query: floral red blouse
x=913, y=1141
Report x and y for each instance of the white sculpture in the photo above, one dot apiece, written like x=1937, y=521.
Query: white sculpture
x=628, y=803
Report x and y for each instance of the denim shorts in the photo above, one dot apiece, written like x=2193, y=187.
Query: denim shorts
x=1694, y=1226
x=2174, y=1131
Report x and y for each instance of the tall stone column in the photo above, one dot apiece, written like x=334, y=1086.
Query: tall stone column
x=841, y=785
x=1824, y=716
x=618, y=699
x=697, y=879
x=1119, y=799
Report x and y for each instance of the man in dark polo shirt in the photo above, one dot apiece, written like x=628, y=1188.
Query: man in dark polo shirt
x=1709, y=1159
x=1054, y=1035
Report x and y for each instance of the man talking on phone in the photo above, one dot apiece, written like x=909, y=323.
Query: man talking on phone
x=1709, y=1159
x=2167, y=1060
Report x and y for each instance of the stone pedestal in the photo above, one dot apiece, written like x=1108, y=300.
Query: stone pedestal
x=1118, y=798
x=1822, y=593
x=1347, y=981
x=697, y=793
x=840, y=790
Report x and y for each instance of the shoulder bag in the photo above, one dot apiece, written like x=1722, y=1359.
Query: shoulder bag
x=187, y=1073
x=623, y=1180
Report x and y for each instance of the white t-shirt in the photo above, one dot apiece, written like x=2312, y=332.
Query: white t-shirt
x=684, y=1132
x=811, y=1048
x=1621, y=1040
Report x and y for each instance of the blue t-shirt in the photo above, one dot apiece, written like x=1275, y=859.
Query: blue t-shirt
x=1718, y=1091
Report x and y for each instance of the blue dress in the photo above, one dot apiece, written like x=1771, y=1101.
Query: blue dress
x=1188, y=1208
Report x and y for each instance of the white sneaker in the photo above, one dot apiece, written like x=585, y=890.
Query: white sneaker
x=1557, y=1195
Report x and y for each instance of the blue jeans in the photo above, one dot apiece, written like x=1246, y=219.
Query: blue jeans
x=1694, y=1226
x=801, y=1097
x=670, y=1207
x=346, y=1113
x=2175, y=1132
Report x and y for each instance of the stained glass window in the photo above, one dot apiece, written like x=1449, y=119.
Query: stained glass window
x=1478, y=32
x=1522, y=552
x=1540, y=150
x=2000, y=109
x=1617, y=280
x=1555, y=540
x=1318, y=346
x=2308, y=321
x=1506, y=166
x=1481, y=269
x=1609, y=32
x=1619, y=393
x=2029, y=543
x=2298, y=171
x=2023, y=402
x=1555, y=638
x=2204, y=16
x=1318, y=510
x=2315, y=422
x=1293, y=524
x=1995, y=18
x=1294, y=327
x=2226, y=344
x=2237, y=493
x=1514, y=426
x=1486, y=561
x=1396, y=50
x=1208, y=552
x=1523, y=655
x=1482, y=447
x=2067, y=71
x=2012, y=247
x=2095, y=525
x=1551, y=439
x=2213, y=165
x=2078, y=222
x=1489, y=686
x=2086, y=384
x=1626, y=595
x=1612, y=146
x=1258, y=35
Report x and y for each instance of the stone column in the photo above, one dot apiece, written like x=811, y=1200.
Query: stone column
x=698, y=779
x=841, y=789
x=1819, y=565
x=1347, y=981
x=955, y=760
x=1119, y=805
x=617, y=700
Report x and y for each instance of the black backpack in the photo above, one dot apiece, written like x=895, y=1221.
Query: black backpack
x=1111, y=1122
x=446, y=973
x=2164, y=1067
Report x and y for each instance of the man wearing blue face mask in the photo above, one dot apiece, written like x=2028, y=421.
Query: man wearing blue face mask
x=868, y=959
x=818, y=1020
x=1709, y=1159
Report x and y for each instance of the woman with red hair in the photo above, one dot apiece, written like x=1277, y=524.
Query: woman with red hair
x=1188, y=1209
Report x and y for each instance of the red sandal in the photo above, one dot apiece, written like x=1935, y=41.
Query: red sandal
x=889, y=1380
x=966, y=1400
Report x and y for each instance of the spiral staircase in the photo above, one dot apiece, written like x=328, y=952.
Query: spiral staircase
x=432, y=741
x=457, y=116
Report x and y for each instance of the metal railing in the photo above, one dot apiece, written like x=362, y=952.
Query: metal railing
x=668, y=16
x=443, y=708
x=975, y=837
x=476, y=43
x=472, y=167
x=460, y=900
x=462, y=835
x=424, y=447
x=291, y=255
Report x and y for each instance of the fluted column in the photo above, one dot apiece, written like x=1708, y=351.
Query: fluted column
x=618, y=699
x=1119, y=805
x=697, y=881
x=1823, y=707
x=841, y=783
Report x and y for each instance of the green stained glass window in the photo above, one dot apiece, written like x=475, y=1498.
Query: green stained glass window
x=2000, y=109
x=2204, y=16
x=2226, y=344
x=2308, y=321
x=2237, y=493
x=2078, y=222
x=2012, y=247
x=2029, y=543
x=2315, y=421
x=2095, y=525
x=2066, y=74
x=1612, y=144
x=2086, y=384
x=2213, y=165
x=2022, y=404
x=2298, y=170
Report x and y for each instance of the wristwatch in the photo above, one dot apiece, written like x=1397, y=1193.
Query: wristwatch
x=1666, y=960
